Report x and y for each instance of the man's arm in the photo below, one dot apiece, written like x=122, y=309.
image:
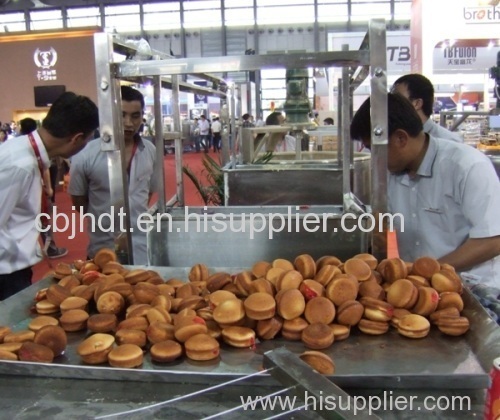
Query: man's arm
x=80, y=201
x=472, y=252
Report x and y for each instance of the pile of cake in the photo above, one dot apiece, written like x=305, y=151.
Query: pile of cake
x=129, y=313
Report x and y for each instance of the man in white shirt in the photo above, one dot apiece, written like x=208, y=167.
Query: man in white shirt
x=216, y=132
x=204, y=127
x=419, y=90
x=447, y=192
x=69, y=124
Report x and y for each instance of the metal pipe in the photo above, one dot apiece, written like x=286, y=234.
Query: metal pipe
x=178, y=141
x=160, y=147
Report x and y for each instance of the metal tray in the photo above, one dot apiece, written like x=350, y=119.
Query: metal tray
x=390, y=360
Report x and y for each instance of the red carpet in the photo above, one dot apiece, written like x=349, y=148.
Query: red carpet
x=77, y=247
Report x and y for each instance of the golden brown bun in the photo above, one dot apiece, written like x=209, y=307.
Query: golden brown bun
x=259, y=269
x=73, y=302
x=134, y=323
x=317, y=336
x=12, y=347
x=425, y=267
x=377, y=310
x=7, y=355
x=397, y=314
x=32, y=352
x=306, y=266
x=259, y=306
x=326, y=274
x=292, y=328
x=262, y=285
x=188, y=327
x=273, y=274
x=370, y=327
x=102, y=323
x=91, y=277
x=54, y=337
x=453, y=325
x=126, y=356
x=112, y=267
x=320, y=362
x=83, y=291
x=418, y=281
x=371, y=289
x=290, y=279
x=136, y=276
x=358, y=268
x=428, y=299
x=282, y=263
x=217, y=281
x=74, y=320
x=62, y=270
x=44, y=307
x=402, y=294
x=451, y=312
x=450, y=299
x=160, y=331
x=319, y=310
x=38, y=323
x=110, y=303
x=202, y=347
x=229, y=312
x=95, y=349
x=56, y=294
x=219, y=296
x=166, y=351
x=158, y=314
x=240, y=337
x=103, y=256
x=198, y=272
x=19, y=336
x=370, y=259
x=446, y=281
x=394, y=269
x=350, y=312
x=243, y=280
x=311, y=289
x=291, y=304
x=327, y=260
x=4, y=330
x=342, y=288
x=340, y=332
x=267, y=329
x=414, y=326
x=186, y=290
x=145, y=292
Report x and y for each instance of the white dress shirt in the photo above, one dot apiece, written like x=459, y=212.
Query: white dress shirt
x=20, y=197
x=437, y=131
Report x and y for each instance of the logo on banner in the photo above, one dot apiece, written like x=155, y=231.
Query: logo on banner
x=45, y=60
x=478, y=15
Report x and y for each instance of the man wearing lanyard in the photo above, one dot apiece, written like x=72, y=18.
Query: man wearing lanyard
x=89, y=181
x=69, y=124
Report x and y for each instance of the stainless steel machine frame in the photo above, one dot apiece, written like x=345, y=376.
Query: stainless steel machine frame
x=371, y=56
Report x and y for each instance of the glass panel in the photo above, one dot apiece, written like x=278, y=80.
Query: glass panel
x=85, y=16
x=238, y=3
x=239, y=17
x=122, y=18
x=162, y=20
x=13, y=22
x=202, y=5
x=288, y=3
x=202, y=18
x=367, y=11
x=47, y=19
x=402, y=10
x=332, y=13
x=161, y=7
x=283, y=15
